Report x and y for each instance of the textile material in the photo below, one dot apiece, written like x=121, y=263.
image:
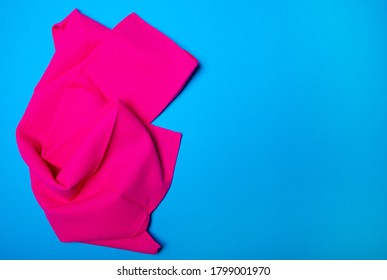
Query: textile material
x=98, y=166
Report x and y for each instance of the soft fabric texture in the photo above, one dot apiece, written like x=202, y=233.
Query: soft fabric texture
x=98, y=166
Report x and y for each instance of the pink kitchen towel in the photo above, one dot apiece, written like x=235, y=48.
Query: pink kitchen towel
x=98, y=166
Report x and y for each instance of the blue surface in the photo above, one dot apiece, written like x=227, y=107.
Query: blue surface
x=284, y=153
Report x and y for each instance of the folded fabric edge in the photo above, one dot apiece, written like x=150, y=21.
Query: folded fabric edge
x=184, y=62
x=187, y=61
x=168, y=145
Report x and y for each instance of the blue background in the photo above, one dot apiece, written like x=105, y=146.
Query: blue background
x=284, y=153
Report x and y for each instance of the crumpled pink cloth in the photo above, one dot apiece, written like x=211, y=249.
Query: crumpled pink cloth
x=98, y=166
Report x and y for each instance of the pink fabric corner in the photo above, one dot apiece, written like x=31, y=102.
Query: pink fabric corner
x=98, y=166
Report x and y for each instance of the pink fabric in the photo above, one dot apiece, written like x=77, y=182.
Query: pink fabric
x=98, y=167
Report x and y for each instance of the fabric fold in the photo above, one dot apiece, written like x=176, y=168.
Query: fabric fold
x=98, y=166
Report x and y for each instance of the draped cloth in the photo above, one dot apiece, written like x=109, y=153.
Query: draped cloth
x=98, y=166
